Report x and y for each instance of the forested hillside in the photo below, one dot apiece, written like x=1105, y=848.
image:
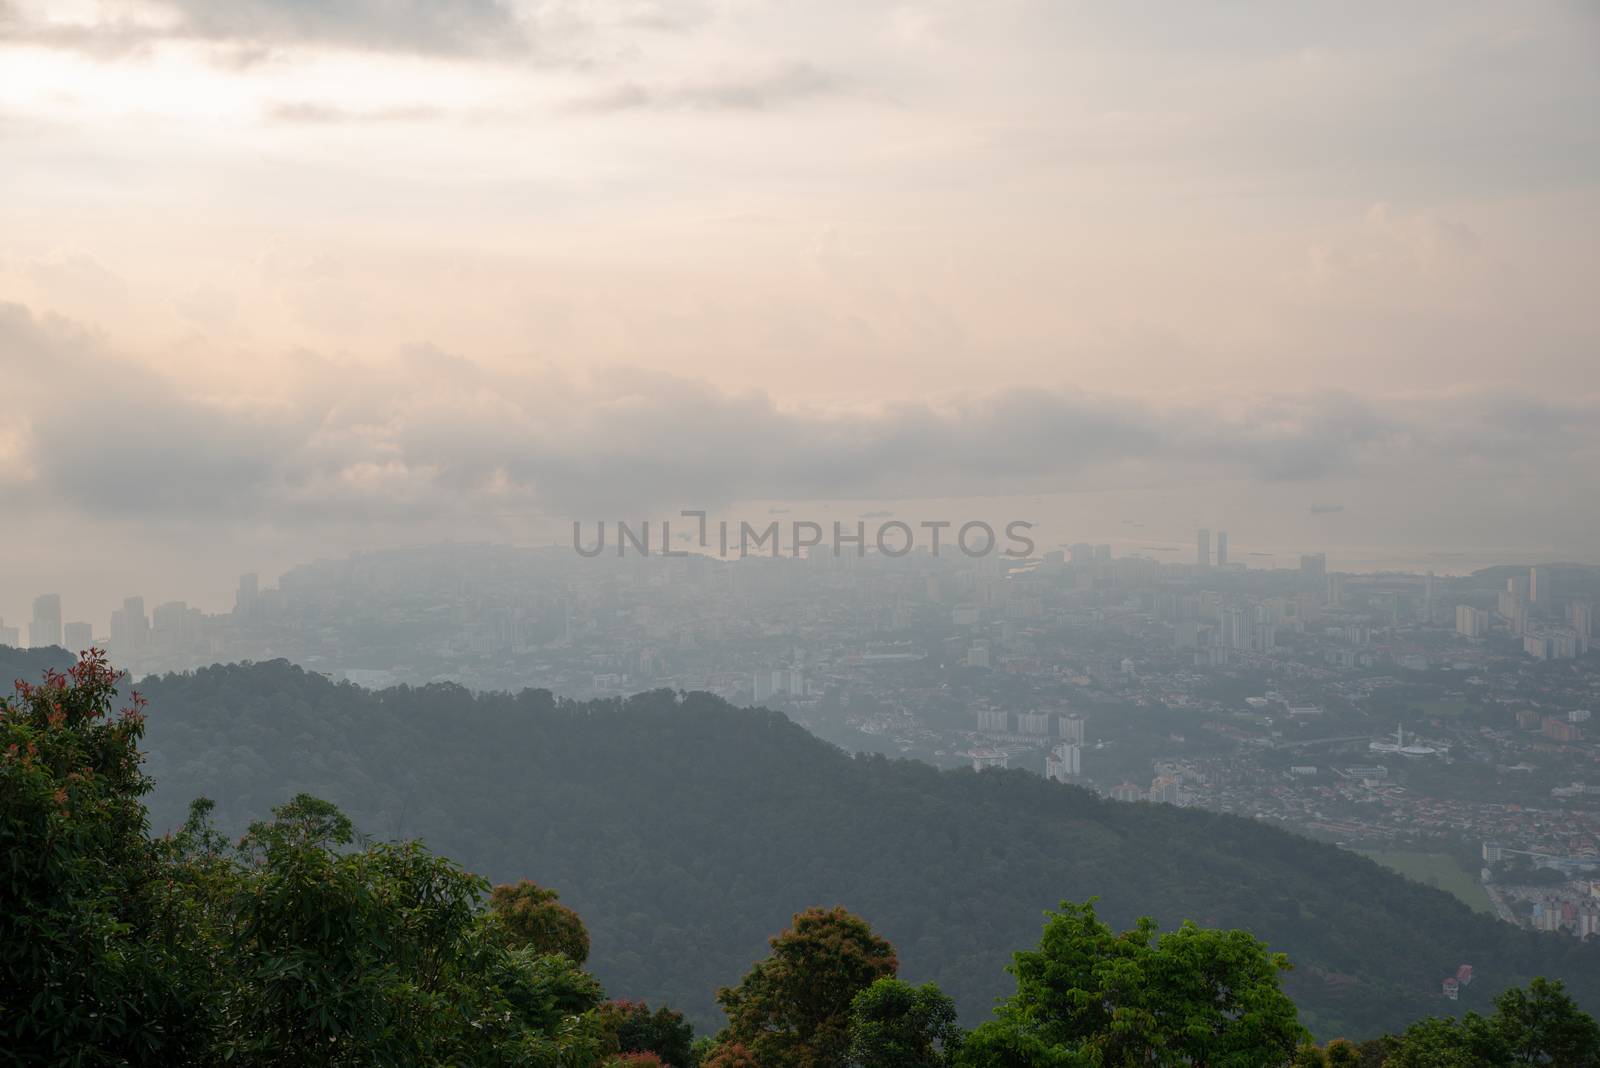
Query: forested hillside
x=680, y=827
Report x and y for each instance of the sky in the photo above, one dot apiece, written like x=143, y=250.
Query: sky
x=280, y=279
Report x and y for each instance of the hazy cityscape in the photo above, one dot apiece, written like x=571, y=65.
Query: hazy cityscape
x=740, y=534
x=1440, y=723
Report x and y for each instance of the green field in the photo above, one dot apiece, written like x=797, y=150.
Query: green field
x=1434, y=869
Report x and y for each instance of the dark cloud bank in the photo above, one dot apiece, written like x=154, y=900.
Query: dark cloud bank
x=437, y=435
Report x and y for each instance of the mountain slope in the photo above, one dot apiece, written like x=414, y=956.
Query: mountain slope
x=686, y=831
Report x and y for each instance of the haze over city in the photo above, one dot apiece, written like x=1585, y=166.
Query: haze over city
x=349, y=274
x=508, y=503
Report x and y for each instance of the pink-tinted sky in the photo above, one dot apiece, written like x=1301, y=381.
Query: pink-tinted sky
x=282, y=278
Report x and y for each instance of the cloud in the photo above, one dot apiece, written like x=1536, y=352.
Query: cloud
x=435, y=435
x=107, y=437
x=311, y=113
x=757, y=91
x=437, y=26
x=240, y=33
x=247, y=27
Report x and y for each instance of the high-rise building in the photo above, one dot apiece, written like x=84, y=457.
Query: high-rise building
x=1265, y=638
x=11, y=636
x=1471, y=622
x=78, y=637
x=1580, y=616
x=994, y=720
x=1566, y=643
x=1336, y=591
x=1222, y=548
x=1071, y=728
x=1235, y=628
x=244, y=600
x=1202, y=548
x=1033, y=723
x=1064, y=762
x=46, y=626
x=1166, y=790
x=1428, y=590
x=778, y=682
x=1082, y=554
x=1314, y=572
x=1538, y=586
x=130, y=628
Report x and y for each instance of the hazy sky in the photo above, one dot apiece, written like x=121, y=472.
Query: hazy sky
x=279, y=278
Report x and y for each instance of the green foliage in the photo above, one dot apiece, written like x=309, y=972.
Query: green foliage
x=1089, y=996
x=1540, y=1025
x=679, y=826
x=305, y=944
x=1543, y=1025
x=664, y=1032
x=896, y=1025
x=293, y=947
x=343, y=955
x=1443, y=1043
x=528, y=914
x=1342, y=1053
x=87, y=973
x=793, y=1010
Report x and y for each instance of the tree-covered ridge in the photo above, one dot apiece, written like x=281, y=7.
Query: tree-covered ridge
x=679, y=826
x=301, y=944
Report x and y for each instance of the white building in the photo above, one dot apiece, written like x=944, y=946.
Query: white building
x=1471, y=622
x=1064, y=763
x=994, y=720
x=1033, y=723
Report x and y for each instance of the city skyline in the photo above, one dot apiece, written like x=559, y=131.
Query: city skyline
x=504, y=500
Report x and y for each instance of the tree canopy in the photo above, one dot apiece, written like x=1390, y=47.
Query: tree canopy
x=1089, y=996
x=793, y=1009
x=303, y=942
x=679, y=826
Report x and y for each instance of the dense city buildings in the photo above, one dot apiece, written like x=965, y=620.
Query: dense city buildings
x=1397, y=713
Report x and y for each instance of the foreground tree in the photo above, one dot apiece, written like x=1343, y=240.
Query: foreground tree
x=339, y=953
x=729, y=1055
x=291, y=947
x=664, y=1033
x=1340, y=1053
x=793, y=1009
x=896, y=1025
x=1088, y=996
x=529, y=915
x=93, y=966
x=1541, y=1025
